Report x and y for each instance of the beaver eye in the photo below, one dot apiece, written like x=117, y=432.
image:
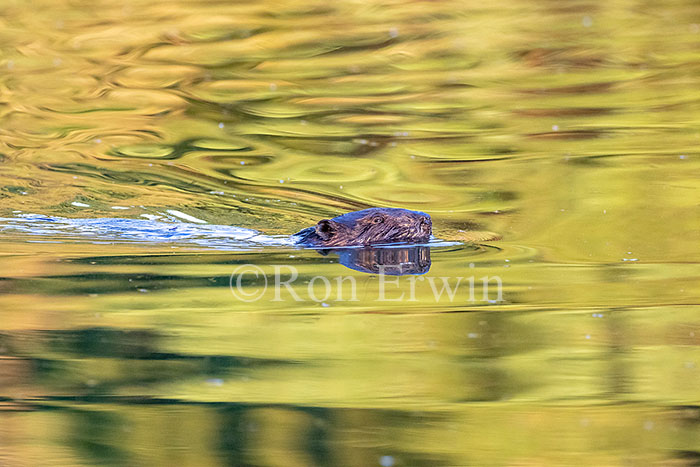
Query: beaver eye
x=377, y=220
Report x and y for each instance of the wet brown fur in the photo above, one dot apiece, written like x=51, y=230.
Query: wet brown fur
x=369, y=227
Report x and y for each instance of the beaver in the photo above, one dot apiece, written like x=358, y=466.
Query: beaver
x=368, y=227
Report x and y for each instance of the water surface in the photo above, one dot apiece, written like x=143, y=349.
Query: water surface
x=572, y=129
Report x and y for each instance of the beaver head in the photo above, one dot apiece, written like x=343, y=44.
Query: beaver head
x=369, y=227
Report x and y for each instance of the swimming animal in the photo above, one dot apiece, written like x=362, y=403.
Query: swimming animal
x=373, y=226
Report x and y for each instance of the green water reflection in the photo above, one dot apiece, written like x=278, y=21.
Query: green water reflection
x=571, y=129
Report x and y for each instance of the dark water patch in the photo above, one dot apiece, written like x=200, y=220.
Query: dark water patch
x=108, y=283
x=569, y=134
x=17, y=190
x=131, y=177
x=577, y=89
x=505, y=117
x=565, y=112
x=93, y=434
x=137, y=344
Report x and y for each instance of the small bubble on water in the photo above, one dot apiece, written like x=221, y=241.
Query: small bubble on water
x=555, y=127
x=324, y=305
x=605, y=211
x=393, y=32
x=215, y=382
x=221, y=124
x=80, y=205
x=273, y=87
x=587, y=21
x=386, y=461
x=473, y=335
x=682, y=157
x=242, y=162
x=281, y=181
x=98, y=140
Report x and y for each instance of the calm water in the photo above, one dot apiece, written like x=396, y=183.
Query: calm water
x=572, y=129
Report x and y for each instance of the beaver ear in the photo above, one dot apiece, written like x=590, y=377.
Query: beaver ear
x=326, y=228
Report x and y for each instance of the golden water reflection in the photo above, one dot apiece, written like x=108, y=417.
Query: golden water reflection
x=569, y=129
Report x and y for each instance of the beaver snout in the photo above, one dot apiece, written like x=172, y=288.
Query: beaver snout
x=426, y=226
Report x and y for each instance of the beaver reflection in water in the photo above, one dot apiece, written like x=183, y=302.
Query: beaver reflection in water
x=369, y=227
x=392, y=261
